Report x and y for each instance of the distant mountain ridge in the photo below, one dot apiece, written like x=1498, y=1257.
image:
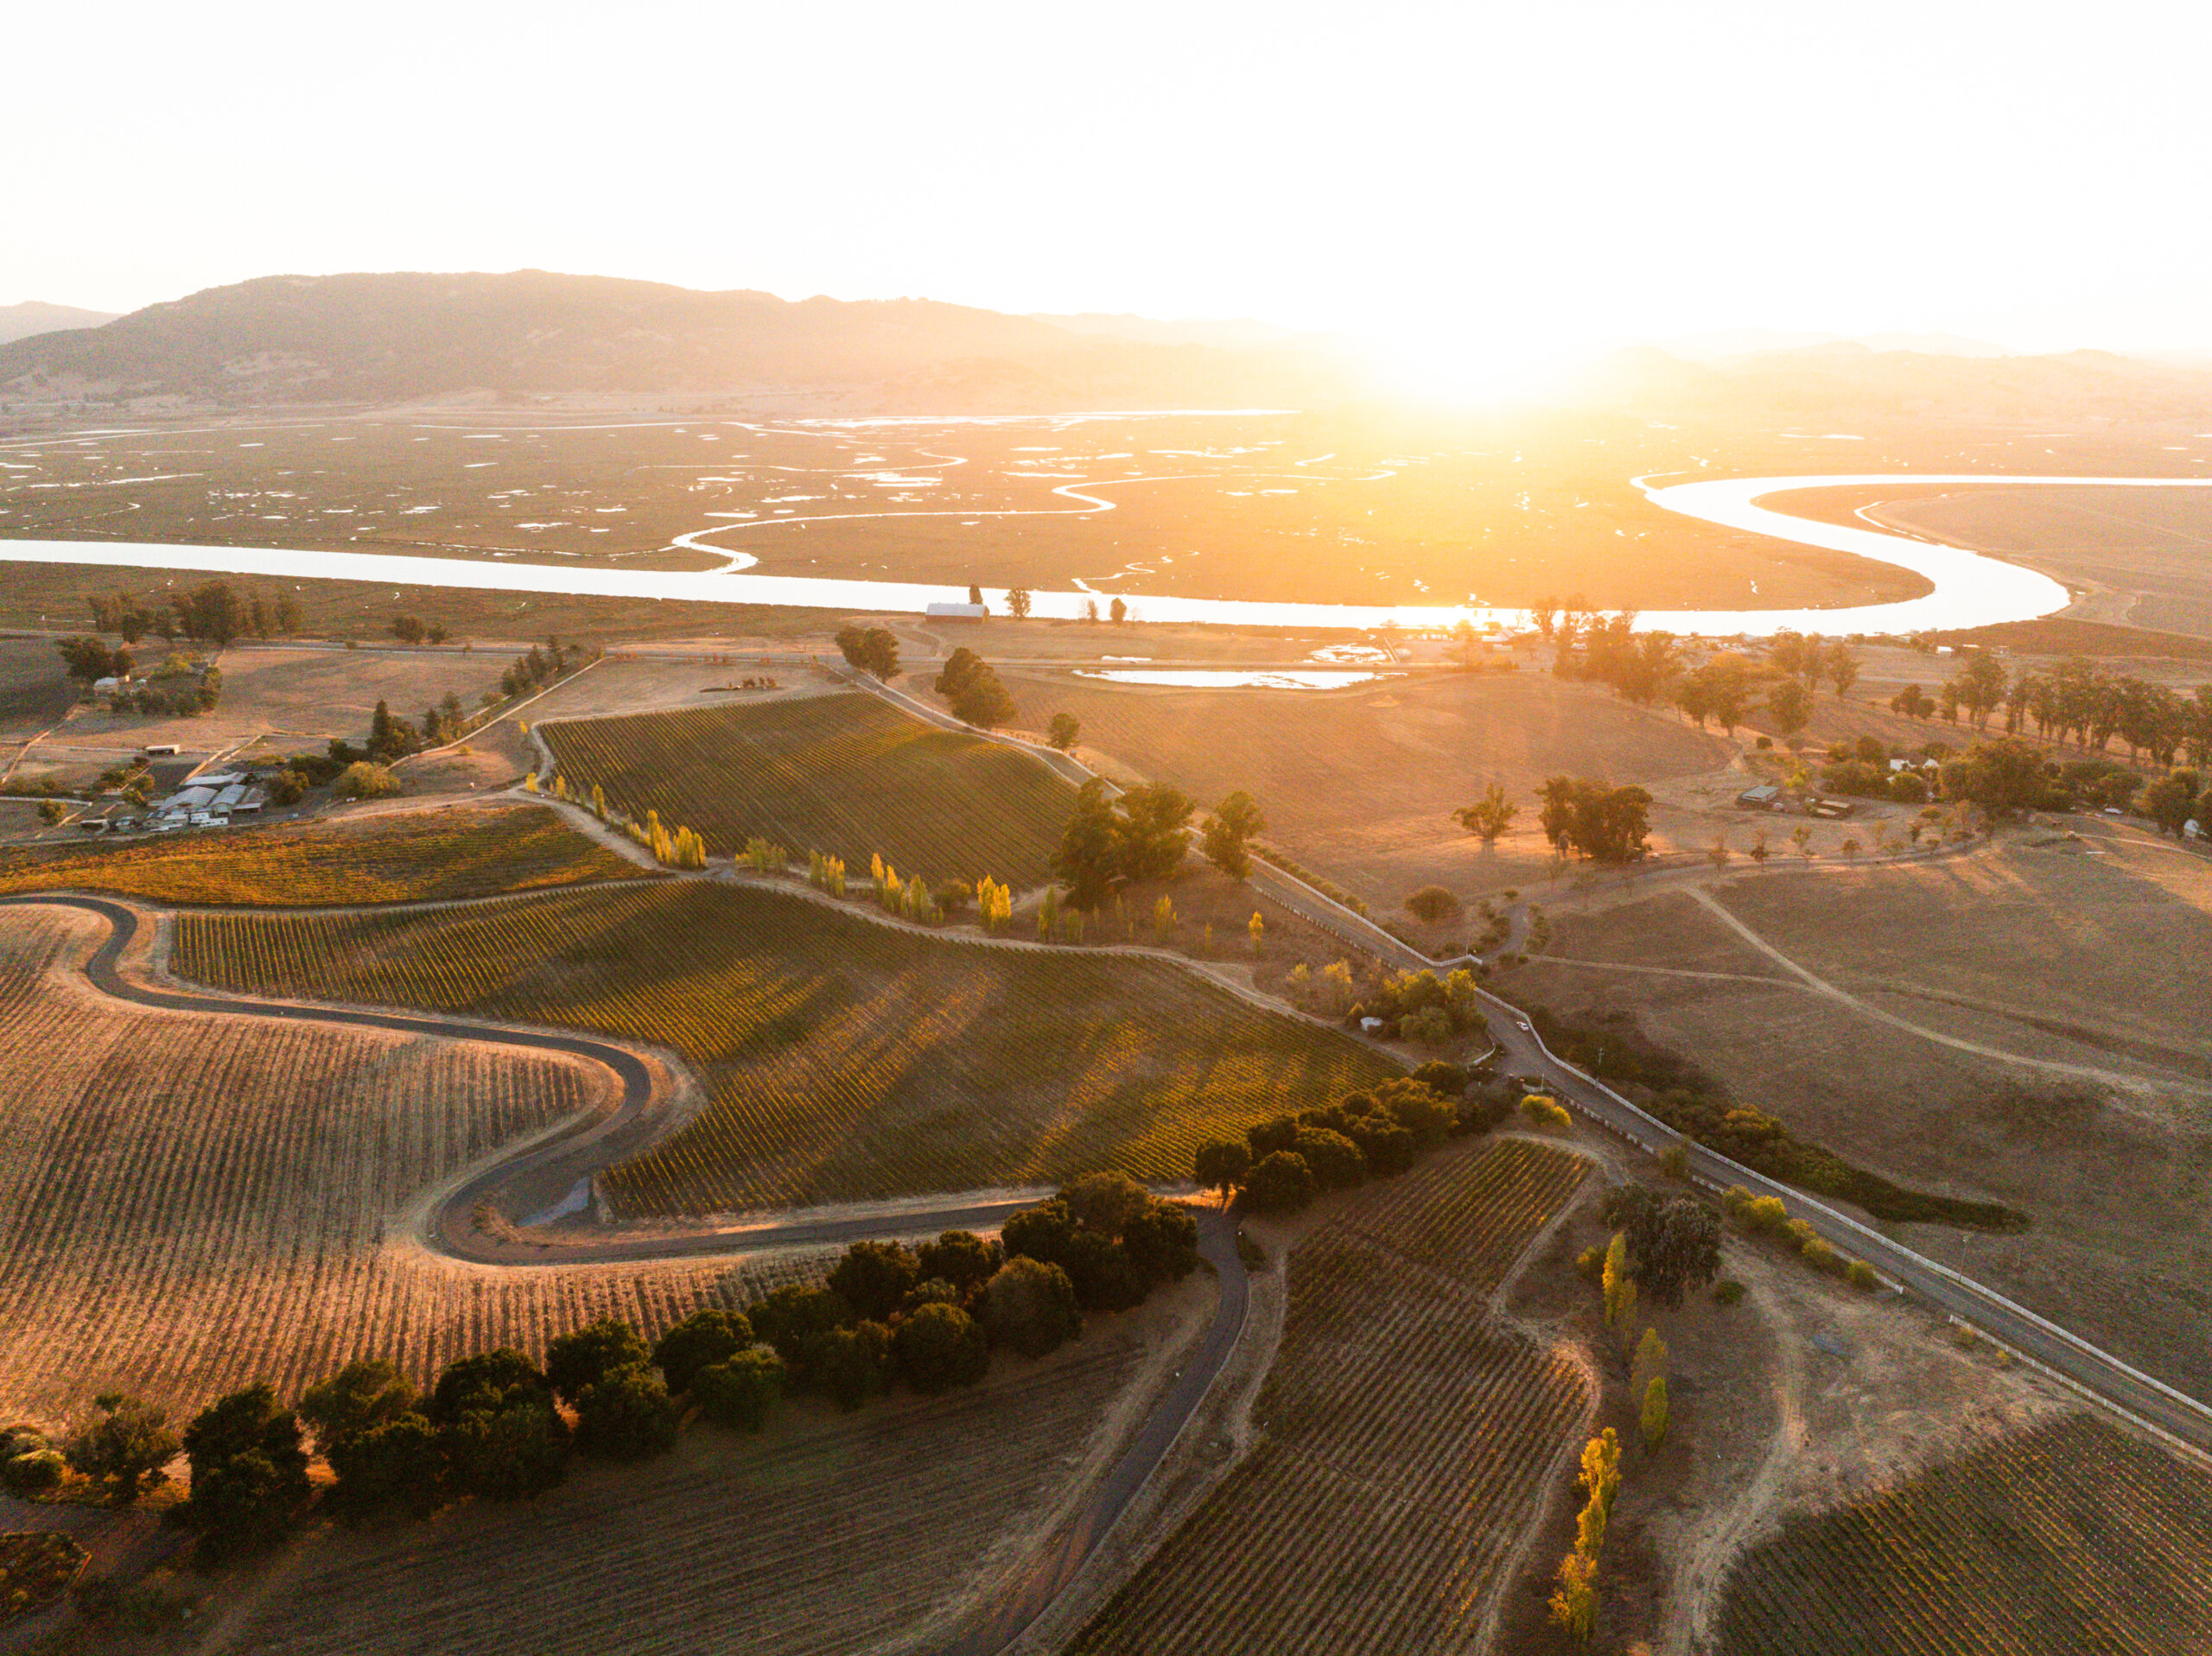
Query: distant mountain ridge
x=399, y=336
x=35, y=316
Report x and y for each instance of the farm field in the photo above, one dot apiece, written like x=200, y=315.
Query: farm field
x=843, y=1060
x=2120, y=1262
x=828, y=1534
x=1360, y=783
x=34, y=690
x=1394, y=1396
x=377, y=857
x=2070, y=1537
x=844, y=774
x=189, y=1204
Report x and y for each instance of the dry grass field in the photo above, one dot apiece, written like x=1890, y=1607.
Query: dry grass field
x=34, y=690
x=189, y=1204
x=827, y=1534
x=375, y=857
x=1394, y=1398
x=1359, y=784
x=2041, y=952
x=2066, y=1538
x=843, y=1060
x=844, y=774
x=297, y=698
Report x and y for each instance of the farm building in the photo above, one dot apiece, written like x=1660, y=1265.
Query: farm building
x=956, y=611
x=1767, y=797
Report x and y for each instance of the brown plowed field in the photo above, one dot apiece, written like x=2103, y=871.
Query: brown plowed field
x=189, y=1204
x=1406, y=1438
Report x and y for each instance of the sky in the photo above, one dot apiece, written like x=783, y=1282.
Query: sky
x=1477, y=184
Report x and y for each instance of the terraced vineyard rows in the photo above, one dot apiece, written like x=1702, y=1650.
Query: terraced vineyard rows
x=844, y=774
x=2067, y=1537
x=188, y=1203
x=843, y=1060
x=826, y=1535
x=1393, y=1397
x=388, y=857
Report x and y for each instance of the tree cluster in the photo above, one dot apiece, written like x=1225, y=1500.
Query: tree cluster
x=1284, y=1162
x=1227, y=834
x=1672, y=1242
x=539, y=667
x=412, y=630
x=972, y=686
x=871, y=649
x=213, y=611
x=1139, y=837
x=1606, y=825
x=1420, y=1007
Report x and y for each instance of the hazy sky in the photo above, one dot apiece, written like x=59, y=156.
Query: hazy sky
x=1489, y=181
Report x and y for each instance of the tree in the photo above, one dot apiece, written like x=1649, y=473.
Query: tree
x=249, y=1473
x=1280, y=1182
x=1149, y=831
x=961, y=1257
x=1086, y=861
x=1018, y=602
x=2171, y=800
x=1234, y=822
x=516, y=1454
x=124, y=1446
x=1574, y=1601
x=397, y=1465
x=484, y=1383
x=1489, y=816
x=2003, y=777
x=1619, y=1285
x=700, y=1340
x=1336, y=1161
x=358, y=1397
x=1791, y=704
x=624, y=1415
x=873, y=1277
x=1607, y=825
x=937, y=1347
x=1672, y=1242
x=871, y=649
x=1655, y=1412
x=737, y=1392
x=1118, y=612
x=408, y=629
x=976, y=595
x=390, y=737
x=1543, y=614
x=1029, y=1307
x=1843, y=667
x=1221, y=1166
x=972, y=686
x=583, y=1359
x=87, y=659
x=1064, y=729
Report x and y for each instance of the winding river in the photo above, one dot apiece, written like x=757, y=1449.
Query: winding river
x=1970, y=589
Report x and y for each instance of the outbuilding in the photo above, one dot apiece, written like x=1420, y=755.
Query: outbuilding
x=1767, y=797
x=956, y=611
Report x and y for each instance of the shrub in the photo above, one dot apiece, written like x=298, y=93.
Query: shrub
x=1430, y=1026
x=1432, y=904
x=1590, y=1264
x=362, y=780
x=737, y=1392
x=937, y=1347
x=1447, y=1080
x=1861, y=1276
x=1280, y=1182
x=30, y=1471
x=125, y=1446
x=1727, y=1291
x=1029, y=1306
x=624, y=1415
x=577, y=1361
x=700, y=1340
x=1544, y=1112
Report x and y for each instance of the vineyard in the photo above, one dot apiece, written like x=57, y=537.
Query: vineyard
x=823, y=1536
x=1394, y=1396
x=843, y=775
x=843, y=1060
x=389, y=857
x=188, y=1203
x=2066, y=1538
